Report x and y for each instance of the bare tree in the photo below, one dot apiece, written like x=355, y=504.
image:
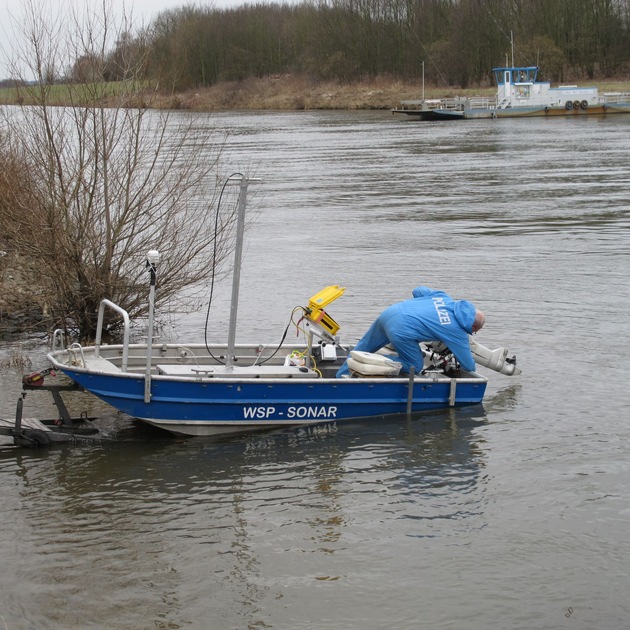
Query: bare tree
x=110, y=177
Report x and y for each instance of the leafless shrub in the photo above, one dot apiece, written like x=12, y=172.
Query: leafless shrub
x=17, y=361
x=96, y=185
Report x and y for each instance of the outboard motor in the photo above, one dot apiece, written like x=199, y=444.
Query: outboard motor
x=496, y=360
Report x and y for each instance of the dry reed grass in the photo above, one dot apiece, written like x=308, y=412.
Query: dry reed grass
x=291, y=92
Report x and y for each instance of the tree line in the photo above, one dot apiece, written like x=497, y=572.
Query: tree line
x=459, y=41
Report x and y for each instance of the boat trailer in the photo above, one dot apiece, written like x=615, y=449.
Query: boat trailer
x=34, y=433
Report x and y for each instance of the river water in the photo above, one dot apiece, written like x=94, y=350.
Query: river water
x=514, y=514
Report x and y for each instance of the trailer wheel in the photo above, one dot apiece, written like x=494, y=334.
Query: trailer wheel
x=569, y=105
x=584, y=104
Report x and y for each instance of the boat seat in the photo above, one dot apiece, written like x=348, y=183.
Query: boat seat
x=248, y=371
x=99, y=364
x=370, y=364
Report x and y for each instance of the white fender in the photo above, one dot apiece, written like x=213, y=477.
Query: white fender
x=372, y=364
x=496, y=360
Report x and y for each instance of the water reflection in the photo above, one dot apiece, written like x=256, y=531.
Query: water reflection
x=174, y=526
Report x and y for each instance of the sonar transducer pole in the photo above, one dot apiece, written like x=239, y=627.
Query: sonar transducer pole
x=236, y=274
x=236, y=277
x=153, y=258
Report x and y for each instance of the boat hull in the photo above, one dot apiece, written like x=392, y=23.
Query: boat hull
x=215, y=406
x=529, y=112
x=426, y=114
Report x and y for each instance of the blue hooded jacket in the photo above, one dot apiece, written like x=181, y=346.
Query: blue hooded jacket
x=428, y=316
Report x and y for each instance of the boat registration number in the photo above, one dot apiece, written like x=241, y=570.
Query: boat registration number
x=297, y=412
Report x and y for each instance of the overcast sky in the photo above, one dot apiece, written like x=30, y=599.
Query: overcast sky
x=142, y=11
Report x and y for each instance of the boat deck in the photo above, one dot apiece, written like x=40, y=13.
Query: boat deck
x=249, y=371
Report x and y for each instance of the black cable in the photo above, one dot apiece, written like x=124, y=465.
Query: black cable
x=214, y=257
x=214, y=262
x=284, y=336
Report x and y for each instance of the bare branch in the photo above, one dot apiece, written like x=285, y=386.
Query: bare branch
x=108, y=180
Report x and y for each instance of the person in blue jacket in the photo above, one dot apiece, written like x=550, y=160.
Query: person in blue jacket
x=428, y=316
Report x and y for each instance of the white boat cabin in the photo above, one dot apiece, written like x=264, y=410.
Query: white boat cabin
x=518, y=87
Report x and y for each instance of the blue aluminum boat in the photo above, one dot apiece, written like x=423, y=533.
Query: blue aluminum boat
x=191, y=394
x=196, y=390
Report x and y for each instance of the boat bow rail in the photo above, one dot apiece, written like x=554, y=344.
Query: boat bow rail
x=86, y=358
x=99, y=330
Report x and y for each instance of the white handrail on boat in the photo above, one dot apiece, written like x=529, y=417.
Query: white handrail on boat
x=73, y=349
x=99, y=330
x=58, y=340
x=615, y=98
x=482, y=102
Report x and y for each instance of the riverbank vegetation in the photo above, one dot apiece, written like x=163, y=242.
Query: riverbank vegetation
x=86, y=192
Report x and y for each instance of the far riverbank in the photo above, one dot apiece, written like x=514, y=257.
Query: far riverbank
x=291, y=92
x=297, y=92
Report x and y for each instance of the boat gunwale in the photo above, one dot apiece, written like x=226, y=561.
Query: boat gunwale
x=205, y=378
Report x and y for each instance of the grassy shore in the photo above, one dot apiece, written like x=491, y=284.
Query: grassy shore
x=288, y=92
